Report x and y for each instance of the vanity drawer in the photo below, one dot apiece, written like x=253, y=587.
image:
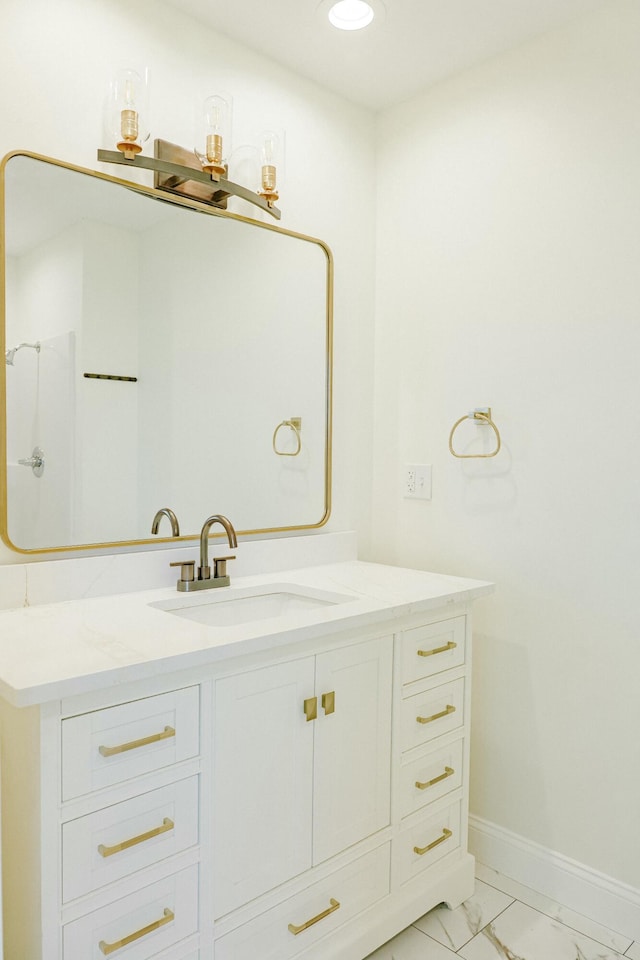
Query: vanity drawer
x=177, y=953
x=428, y=715
x=433, y=648
x=112, y=843
x=430, y=777
x=109, y=746
x=313, y=913
x=419, y=846
x=139, y=926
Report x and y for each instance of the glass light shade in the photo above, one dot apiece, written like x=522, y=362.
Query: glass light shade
x=351, y=14
x=244, y=168
x=215, y=134
x=129, y=99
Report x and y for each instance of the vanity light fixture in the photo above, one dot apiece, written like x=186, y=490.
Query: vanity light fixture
x=199, y=174
x=128, y=98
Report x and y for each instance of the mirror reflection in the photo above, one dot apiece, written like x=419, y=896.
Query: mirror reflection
x=157, y=355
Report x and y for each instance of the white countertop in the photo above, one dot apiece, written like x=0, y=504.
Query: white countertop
x=59, y=650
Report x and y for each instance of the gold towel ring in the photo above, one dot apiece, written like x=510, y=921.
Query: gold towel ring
x=294, y=424
x=480, y=415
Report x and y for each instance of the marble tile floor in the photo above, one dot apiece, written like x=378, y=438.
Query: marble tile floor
x=504, y=920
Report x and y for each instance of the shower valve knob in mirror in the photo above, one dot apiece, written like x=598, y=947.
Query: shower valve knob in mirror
x=35, y=461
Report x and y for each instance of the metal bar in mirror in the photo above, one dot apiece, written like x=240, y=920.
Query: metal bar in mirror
x=109, y=376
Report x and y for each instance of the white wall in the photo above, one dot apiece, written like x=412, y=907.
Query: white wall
x=55, y=63
x=508, y=276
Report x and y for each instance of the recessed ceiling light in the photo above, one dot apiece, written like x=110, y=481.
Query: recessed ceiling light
x=351, y=14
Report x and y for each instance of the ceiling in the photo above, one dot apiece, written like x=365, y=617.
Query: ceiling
x=416, y=44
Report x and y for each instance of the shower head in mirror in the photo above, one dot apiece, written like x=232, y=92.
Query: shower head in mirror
x=10, y=354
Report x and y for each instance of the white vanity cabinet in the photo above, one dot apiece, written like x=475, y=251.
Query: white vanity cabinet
x=301, y=766
x=433, y=743
x=384, y=837
x=301, y=799
x=101, y=826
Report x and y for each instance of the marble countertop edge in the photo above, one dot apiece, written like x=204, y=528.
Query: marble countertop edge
x=60, y=650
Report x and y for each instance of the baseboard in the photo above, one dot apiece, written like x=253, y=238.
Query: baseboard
x=613, y=904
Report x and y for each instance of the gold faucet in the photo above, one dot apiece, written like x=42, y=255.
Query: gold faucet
x=204, y=580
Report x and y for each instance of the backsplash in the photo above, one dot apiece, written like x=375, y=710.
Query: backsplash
x=52, y=581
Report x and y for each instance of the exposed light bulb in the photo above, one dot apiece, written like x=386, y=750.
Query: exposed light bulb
x=351, y=14
x=129, y=93
x=271, y=154
x=216, y=118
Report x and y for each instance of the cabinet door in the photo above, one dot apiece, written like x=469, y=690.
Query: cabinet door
x=263, y=781
x=352, y=745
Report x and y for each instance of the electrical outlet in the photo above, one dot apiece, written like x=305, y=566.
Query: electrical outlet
x=417, y=481
x=410, y=482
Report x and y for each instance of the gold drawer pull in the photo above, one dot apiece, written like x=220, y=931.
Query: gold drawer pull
x=445, y=836
x=329, y=702
x=305, y=926
x=108, y=948
x=437, y=716
x=311, y=708
x=134, y=744
x=448, y=772
x=430, y=653
x=167, y=825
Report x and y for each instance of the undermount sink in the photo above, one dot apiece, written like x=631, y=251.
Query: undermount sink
x=226, y=607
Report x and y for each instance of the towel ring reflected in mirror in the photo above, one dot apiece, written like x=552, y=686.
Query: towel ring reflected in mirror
x=295, y=424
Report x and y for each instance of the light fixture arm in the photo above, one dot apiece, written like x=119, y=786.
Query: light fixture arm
x=185, y=180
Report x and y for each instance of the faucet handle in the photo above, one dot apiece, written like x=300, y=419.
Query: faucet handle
x=220, y=566
x=186, y=571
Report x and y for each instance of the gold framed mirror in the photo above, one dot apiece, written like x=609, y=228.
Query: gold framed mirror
x=154, y=349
